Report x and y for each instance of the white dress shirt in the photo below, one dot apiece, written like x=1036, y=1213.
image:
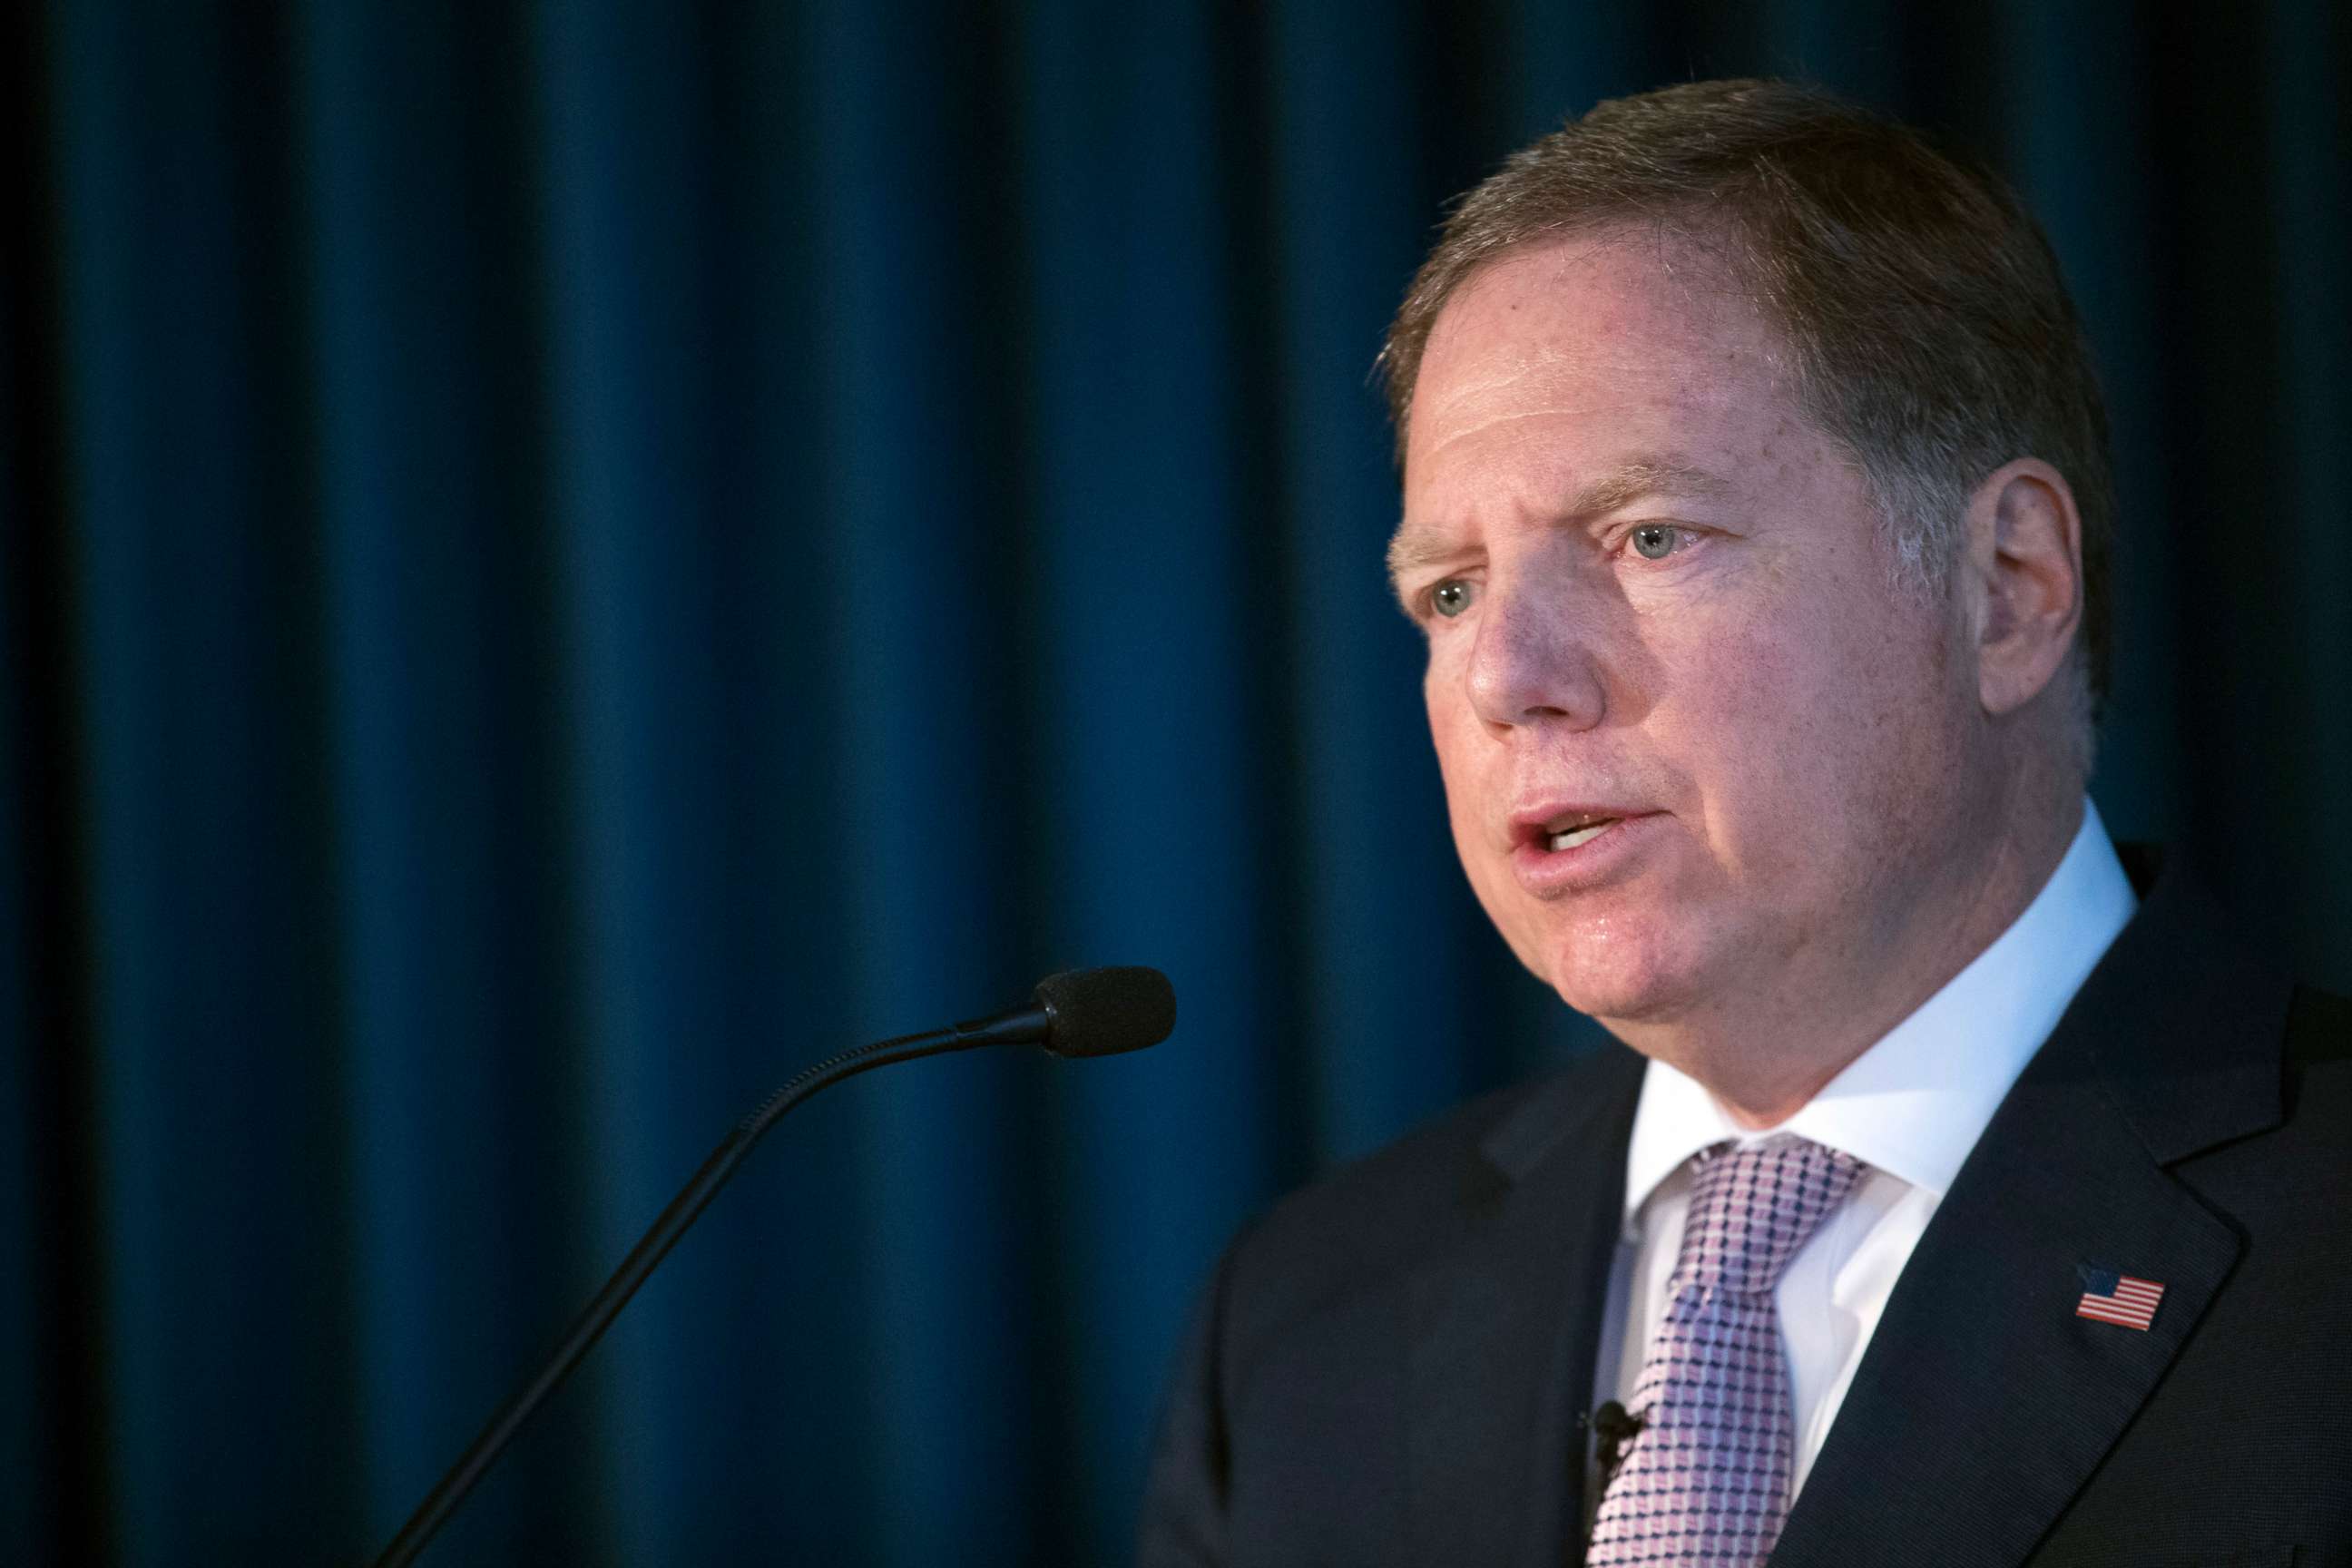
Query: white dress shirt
x=1911, y=1107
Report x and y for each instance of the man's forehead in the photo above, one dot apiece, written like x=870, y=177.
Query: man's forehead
x=1581, y=325
x=1675, y=269
x=1525, y=376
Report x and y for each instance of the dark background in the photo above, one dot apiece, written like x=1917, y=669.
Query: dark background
x=563, y=561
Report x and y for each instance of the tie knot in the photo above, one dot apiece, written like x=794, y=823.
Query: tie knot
x=1752, y=1208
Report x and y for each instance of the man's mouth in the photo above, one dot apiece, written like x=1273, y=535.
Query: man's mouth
x=1578, y=828
x=1559, y=847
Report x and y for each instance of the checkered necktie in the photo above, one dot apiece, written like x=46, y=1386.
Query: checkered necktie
x=1705, y=1481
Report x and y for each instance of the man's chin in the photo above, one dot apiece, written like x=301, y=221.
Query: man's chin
x=1630, y=983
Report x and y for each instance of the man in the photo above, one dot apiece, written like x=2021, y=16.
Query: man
x=1960, y=1199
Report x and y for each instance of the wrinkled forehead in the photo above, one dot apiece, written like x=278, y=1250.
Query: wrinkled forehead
x=1695, y=265
x=1590, y=321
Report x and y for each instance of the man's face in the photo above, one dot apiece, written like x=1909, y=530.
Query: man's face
x=1698, y=747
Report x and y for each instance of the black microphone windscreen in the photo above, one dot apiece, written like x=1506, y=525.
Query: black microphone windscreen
x=1102, y=1012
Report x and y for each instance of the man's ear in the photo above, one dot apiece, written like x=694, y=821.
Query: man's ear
x=2024, y=563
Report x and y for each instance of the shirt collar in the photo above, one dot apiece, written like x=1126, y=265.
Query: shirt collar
x=1914, y=1104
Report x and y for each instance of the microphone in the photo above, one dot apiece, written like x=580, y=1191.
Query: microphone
x=1615, y=1426
x=1078, y=1012
x=1086, y=1012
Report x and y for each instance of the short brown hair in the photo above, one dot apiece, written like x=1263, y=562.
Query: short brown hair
x=1930, y=331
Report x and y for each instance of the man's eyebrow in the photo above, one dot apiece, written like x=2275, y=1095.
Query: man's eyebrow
x=1629, y=482
x=1416, y=546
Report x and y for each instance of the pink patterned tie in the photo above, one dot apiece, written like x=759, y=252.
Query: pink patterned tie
x=1705, y=1481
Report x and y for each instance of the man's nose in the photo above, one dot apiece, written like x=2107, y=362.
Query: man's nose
x=1534, y=661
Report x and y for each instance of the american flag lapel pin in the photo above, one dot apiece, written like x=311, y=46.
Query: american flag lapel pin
x=2113, y=1297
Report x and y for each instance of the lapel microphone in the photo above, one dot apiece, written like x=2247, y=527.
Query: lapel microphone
x=1614, y=1427
x=1078, y=1012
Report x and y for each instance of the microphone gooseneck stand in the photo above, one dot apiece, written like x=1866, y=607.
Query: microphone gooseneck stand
x=1094, y=1011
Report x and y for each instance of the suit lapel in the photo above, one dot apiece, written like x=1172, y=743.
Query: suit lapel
x=1503, y=1327
x=1984, y=1402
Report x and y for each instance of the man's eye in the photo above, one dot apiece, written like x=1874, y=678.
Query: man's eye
x=1450, y=599
x=1655, y=541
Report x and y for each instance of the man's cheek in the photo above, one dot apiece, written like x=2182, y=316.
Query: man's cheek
x=1753, y=746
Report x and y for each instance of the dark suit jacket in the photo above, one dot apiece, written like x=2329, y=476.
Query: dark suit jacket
x=1388, y=1368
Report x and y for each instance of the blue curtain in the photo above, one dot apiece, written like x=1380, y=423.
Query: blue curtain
x=564, y=561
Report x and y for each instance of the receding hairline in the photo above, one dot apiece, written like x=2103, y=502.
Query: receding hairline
x=1694, y=230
